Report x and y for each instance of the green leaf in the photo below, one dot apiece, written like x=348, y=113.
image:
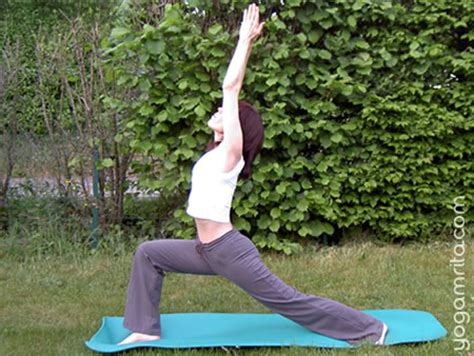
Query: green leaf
x=274, y=225
x=392, y=62
x=302, y=205
x=351, y=20
x=147, y=28
x=301, y=37
x=385, y=55
x=280, y=25
x=271, y=81
x=362, y=44
x=119, y=32
x=347, y=90
x=303, y=231
x=350, y=126
x=162, y=116
x=336, y=138
x=326, y=24
x=275, y=213
x=215, y=29
x=284, y=81
x=414, y=45
x=314, y=35
x=200, y=110
x=318, y=228
x=263, y=222
x=325, y=140
x=322, y=167
x=217, y=52
x=182, y=84
x=422, y=68
x=306, y=184
x=324, y=54
x=281, y=188
x=205, y=88
x=144, y=85
x=155, y=47
x=202, y=76
x=107, y=163
x=146, y=110
x=304, y=53
x=359, y=4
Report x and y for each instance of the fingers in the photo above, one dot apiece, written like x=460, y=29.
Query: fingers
x=251, y=26
x=251, y=13
x=255, y=13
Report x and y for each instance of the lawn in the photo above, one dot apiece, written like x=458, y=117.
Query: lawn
x=51, y=305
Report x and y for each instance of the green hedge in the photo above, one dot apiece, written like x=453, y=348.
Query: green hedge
x=367, y=107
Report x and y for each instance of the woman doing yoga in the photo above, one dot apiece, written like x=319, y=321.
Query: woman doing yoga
x=219, y=249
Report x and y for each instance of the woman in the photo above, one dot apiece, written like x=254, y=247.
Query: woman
x=219, y=249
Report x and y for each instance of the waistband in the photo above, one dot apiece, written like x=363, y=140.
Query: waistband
x=219, y=240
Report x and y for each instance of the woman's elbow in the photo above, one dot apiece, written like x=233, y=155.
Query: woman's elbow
x=231, y=87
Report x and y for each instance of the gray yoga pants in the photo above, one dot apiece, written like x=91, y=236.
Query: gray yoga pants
x=235, y=257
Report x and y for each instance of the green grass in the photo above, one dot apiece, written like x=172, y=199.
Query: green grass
x=51, y=305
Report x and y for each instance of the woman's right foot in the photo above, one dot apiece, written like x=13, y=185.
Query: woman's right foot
x=137, y=337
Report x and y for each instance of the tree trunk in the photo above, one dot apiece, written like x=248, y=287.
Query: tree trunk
x=10, y=138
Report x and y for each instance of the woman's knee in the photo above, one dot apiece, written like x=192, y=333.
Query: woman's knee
x=146, y=255
x=145, y=248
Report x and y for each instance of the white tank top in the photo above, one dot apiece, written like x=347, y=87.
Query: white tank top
x=211, y=189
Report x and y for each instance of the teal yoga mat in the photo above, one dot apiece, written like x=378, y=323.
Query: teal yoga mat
x=194, y=330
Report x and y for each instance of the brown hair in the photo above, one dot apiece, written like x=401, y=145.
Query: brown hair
x=253, y=135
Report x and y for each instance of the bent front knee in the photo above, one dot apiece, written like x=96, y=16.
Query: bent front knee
x=146, y=250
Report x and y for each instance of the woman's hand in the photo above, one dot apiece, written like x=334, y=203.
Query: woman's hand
x=250, y=28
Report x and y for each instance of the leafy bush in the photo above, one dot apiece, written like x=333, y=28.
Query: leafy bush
x=367, y=108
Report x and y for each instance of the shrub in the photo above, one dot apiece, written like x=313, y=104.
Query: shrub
x=366, y=106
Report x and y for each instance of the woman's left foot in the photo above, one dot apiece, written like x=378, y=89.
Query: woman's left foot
x=382, y=338
x=137, y=337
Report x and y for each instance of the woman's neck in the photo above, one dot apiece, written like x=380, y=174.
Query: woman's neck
x=218, y=137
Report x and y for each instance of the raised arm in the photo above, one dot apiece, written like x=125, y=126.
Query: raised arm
x=250, y=28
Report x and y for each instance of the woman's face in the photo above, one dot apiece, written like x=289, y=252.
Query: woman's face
x=216, y=123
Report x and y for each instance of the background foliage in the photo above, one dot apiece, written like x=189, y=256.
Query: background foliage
x=62, y=91
x=21, y=21
x=367, y=108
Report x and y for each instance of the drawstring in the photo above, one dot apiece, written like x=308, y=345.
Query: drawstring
x=199, y=248
x=213, y=243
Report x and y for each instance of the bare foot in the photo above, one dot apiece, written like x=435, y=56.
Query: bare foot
x=137, y=337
